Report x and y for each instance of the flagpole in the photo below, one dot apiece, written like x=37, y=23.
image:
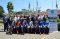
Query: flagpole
x=29, y=8
x=56, y=7
x=36, y=5
x=52, y=4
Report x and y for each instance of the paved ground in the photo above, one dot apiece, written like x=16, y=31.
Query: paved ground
x=54, y=35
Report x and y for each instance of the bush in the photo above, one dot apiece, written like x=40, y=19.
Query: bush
x=1, y=21
x=58, y=27
x=58, y=20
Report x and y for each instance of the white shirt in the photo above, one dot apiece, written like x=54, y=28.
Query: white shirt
x=18, y=18
x=31, y=23
x=41, y=17
x=15, y=19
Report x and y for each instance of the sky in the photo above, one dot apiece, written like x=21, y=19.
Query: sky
x=23, y=4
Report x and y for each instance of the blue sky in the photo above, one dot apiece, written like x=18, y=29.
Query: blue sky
x=23, y=4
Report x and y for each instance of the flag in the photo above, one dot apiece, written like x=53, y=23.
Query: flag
x=29, y=5
x=56, y=5
x=36, y=5
x=37, y=2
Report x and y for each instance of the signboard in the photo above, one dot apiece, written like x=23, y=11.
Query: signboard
x=52, y=13
x=52, y=16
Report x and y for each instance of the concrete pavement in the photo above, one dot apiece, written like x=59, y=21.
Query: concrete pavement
x=54, y=35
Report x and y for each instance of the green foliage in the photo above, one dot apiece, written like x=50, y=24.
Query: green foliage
x=10, y=7
x=1, y=11
x=58, y=27
x=58, y=20
x=25, y=11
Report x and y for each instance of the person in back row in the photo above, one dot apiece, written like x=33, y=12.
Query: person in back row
x=25, y=24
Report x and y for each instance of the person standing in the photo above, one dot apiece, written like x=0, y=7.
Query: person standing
x=18, y=24
x=5, y=21
x=31, y=26
x=15, y=20
x=9, y=27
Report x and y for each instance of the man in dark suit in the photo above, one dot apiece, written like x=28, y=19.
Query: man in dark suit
x=5, y=21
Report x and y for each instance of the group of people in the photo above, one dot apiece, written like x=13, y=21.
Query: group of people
x=26, y=24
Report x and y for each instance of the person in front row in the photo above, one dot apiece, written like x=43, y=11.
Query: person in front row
x=18, y=24
x=25, y=25
x=31, y=26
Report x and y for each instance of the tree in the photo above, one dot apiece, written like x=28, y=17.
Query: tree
x=1, y=11
x=10, y=7
x=38, y=11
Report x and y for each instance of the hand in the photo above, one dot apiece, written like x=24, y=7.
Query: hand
x=14, y=26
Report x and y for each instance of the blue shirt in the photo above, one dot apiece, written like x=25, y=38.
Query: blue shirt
x=5, y=19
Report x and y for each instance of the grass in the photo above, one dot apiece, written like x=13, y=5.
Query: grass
x=1, y=21
x=1, y=24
